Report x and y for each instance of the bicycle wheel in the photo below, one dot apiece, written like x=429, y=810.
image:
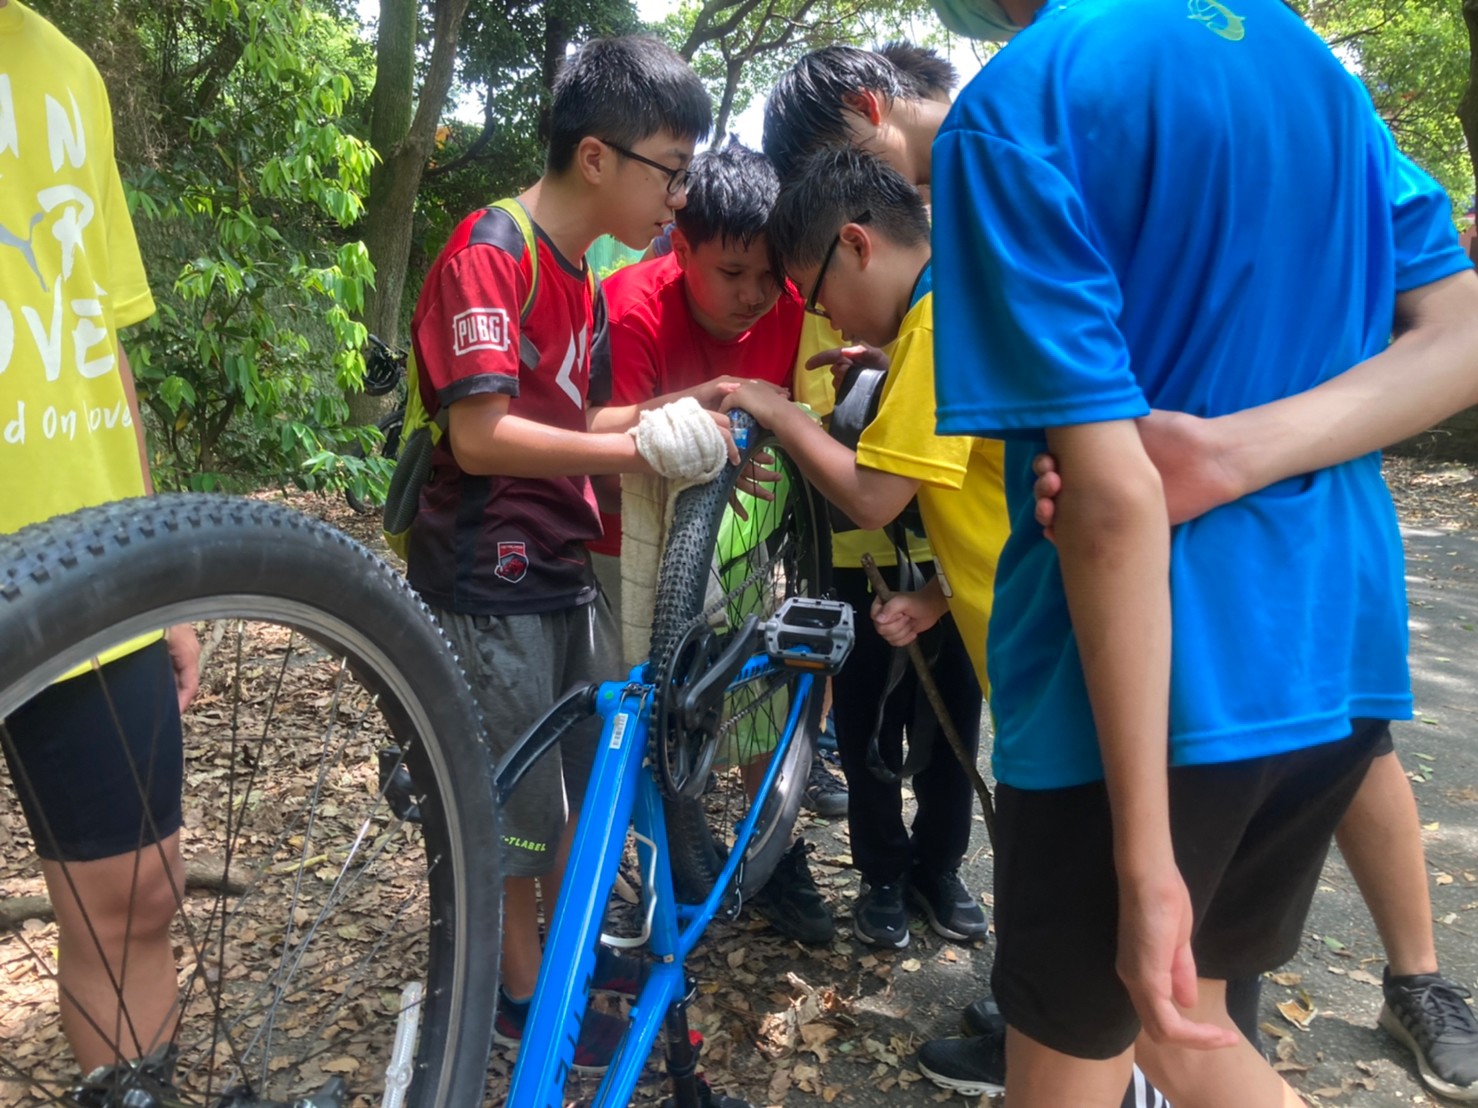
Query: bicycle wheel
x=389, y=426
x=719, y=568
x=339, y=834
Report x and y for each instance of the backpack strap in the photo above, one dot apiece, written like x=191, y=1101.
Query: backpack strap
x=515, y=211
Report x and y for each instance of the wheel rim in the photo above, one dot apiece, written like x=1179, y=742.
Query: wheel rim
x=309, y=898
x=755, y=566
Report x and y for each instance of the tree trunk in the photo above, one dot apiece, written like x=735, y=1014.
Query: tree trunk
x=732, y=73
x=404, y=140
x=1467, y=109
x=556, y=38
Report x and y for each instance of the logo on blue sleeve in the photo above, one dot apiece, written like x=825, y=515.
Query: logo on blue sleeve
x=1219, y=19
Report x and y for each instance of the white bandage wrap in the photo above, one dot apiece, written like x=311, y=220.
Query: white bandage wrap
x=646, y=513
x=680, y=440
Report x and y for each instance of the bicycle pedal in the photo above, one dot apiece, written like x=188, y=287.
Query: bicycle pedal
x=811, y=634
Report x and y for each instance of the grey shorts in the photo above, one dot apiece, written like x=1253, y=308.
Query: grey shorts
x=519, y=666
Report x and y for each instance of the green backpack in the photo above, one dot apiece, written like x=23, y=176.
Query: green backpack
x=419, y=433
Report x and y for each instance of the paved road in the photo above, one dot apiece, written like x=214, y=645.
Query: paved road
x=1350, y=1062
x=1439, y=749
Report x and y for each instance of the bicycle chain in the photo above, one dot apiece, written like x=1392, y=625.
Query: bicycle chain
x=703, y=618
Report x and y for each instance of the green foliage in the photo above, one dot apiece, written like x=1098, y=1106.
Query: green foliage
x=242, y=178
x=742, y=47
x=1412, y=56
x=504, y=65
x=239, y=364
x=239, y=126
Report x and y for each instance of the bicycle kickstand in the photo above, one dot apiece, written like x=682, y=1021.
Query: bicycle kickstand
x=688, y=1089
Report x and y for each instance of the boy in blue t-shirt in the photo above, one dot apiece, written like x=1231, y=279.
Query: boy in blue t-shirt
x=845, y=94
x=1154, y=233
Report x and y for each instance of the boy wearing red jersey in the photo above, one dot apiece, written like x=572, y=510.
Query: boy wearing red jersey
x=498, y=546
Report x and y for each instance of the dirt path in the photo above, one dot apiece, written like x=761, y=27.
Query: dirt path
x=790, y=1026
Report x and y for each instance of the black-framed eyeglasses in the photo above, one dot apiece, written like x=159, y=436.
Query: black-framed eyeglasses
x=677, y=179
x=811, y=305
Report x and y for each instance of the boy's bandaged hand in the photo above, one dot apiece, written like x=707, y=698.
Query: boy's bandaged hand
x=684, y=441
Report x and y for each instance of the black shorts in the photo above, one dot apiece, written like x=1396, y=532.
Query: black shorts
x=97, y=760
x=1250, y=840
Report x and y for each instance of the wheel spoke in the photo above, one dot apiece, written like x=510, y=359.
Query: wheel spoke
x=321, y=900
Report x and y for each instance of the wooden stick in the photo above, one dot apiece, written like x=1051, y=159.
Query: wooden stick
x=931, y=690
x=201, y=876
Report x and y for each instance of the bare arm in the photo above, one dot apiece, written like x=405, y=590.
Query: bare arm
x=871, y=497
x=1113, y=538
x=486, y=439
x=125, y=372
x=710, y=394
x=1428, y=373
x=183, y=645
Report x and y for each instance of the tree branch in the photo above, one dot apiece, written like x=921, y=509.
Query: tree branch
x=473, y=151
x=1467, y=110
x=700, y=35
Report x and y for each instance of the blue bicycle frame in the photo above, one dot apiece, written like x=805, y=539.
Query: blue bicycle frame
x=623, y=792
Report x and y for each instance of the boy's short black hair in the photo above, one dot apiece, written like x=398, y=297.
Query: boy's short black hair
x=622, y=90
x=730, y=193
x=805, y=112
x=833, y=187
x=933, y=77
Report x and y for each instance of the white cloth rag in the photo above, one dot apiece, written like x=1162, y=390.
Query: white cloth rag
x=681, y=440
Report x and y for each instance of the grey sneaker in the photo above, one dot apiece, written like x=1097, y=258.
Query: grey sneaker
x=952, y=911
x=878, y=916
x=1430, y=1016
x=826, y=793
x=791, y=901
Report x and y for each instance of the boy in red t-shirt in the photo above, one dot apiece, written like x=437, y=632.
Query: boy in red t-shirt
x=700, y=321
x=712, y=312
x=498, y=546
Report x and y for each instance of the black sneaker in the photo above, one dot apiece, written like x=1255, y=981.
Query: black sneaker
x=1430, y=1015
x=617, y=974
x=826, y=793
x=600, y=1034
x=879, y=918
x=972, y=1067
x=976, y=1064
x=952, y=911
x=791, y=901
x=983, y=1018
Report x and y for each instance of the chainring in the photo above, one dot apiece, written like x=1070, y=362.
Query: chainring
x=684, y=749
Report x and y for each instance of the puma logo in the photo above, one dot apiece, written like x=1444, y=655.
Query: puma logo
x=24, y=245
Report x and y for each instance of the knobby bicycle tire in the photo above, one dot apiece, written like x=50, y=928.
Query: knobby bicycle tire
x=74, y=586
x=789, y=555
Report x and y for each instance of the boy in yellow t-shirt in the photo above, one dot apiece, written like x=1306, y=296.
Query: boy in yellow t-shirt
x=854, y=236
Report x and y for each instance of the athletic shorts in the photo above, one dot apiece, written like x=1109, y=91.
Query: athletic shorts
x=1250, y=840
x=518, y=667
x=97, y=760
